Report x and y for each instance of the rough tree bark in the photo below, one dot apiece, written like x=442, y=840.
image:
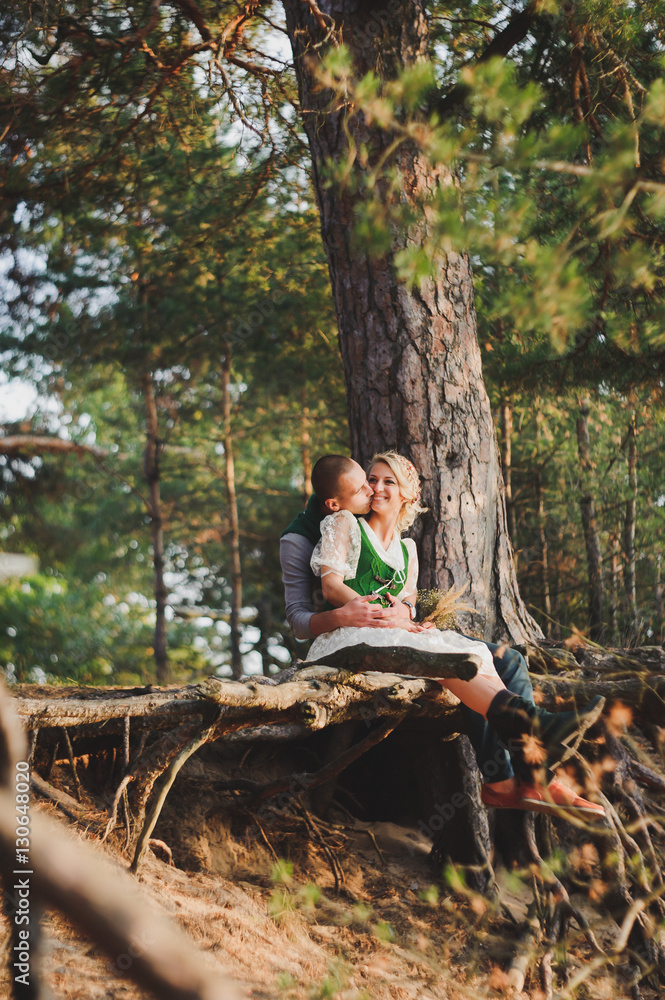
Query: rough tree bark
x=507, y=465
x=590, y=529
x=411, y=357
x=229, y=467
x=151, y=468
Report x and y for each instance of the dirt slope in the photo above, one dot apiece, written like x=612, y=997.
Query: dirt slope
x=283, y=930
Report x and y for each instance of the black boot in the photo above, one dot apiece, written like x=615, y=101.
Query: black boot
x=556, y=735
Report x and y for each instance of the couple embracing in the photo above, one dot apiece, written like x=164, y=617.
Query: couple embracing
x=345, y=551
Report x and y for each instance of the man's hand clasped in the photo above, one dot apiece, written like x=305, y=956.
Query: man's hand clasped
x=361, y=613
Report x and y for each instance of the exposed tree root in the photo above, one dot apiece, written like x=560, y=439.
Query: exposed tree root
x=626, y=854
x=69, y=875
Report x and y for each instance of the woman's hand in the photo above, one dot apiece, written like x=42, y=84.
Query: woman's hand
x=399, y=616
x=407, y=626
x=399, y=610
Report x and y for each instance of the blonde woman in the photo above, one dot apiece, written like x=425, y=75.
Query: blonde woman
x=367, y=556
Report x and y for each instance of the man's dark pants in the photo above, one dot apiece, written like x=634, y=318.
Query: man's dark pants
x=491, y=754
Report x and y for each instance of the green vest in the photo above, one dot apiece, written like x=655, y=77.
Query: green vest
x=373, y=574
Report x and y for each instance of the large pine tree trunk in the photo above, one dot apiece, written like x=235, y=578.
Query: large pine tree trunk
x=411, y=357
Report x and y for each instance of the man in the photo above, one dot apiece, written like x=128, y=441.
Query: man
x=301, y=587
x=339, y=483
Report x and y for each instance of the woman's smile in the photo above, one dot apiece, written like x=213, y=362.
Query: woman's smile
x=387, y=496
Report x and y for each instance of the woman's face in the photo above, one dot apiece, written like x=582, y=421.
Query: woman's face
x=387, y=498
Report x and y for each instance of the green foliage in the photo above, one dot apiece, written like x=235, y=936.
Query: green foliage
x=280, y=904
x=166, y=256
x=544, y=448
x=51, y=630
x=454, y=878
x=282, y=871
x=144, y=236
x=309, y=897
x=384, y=931
x=286, y=982
x=361, y=912
x=549, y=169
x=284, y=900
x=430, y=895
x=562, y=212
x=336, y=982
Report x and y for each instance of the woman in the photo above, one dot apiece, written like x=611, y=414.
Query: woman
x=368, y=556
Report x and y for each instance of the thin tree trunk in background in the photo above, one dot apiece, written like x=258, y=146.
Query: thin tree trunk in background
x=263, y=625
x=658, y=594
x=590, y=528
x=305, y=445
x=556, y=584
x=506, y=462
x=151, y=468
x=544, y=557
x=411, y=357
x=542, y=536
x=615, y=569
x=629, y=528
x=229, y=467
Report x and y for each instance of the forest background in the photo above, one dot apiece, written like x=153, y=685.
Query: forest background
x=166, y=292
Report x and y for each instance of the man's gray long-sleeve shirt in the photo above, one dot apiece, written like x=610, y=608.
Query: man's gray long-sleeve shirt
x=302, y=590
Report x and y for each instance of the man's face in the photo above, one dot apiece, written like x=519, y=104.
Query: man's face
x=353, y=492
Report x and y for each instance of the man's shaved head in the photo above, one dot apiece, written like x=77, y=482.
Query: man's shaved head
x=340, y=484
x=327, y=473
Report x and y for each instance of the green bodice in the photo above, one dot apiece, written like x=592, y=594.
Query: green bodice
x=373, y=574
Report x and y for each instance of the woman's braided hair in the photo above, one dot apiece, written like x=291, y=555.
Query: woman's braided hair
x=408, y=481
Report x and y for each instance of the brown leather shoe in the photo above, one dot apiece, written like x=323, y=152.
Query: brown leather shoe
x=556, y=799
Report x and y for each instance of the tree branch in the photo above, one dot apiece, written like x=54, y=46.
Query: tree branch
x=514, y=32
x=15, y=444
x=193, y=12
x=107, y=905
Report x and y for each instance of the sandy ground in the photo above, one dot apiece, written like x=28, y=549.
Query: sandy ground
x=285, y=930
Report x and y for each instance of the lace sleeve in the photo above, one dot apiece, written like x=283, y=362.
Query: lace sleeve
x=411, y=585
x=339, y=548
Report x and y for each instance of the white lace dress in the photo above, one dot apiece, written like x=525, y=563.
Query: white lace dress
x=338, y=551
